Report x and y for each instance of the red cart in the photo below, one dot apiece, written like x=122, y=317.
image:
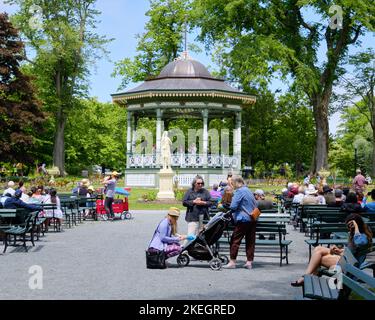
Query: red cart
x=120, y=206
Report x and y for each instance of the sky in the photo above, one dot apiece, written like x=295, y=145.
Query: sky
x=123, y=20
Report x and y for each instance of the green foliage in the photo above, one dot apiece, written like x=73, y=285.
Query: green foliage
x=277, y=132
x=95, y=135
x=260, y=40
x=160, y=44
x=150, y=195
x=354, y=132
x=179, y=194
x=65, y=44
x=20, y=111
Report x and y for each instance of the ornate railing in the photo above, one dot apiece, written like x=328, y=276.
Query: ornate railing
x=184, y=161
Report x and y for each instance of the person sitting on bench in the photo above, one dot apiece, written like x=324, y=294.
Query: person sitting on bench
x=360, y=237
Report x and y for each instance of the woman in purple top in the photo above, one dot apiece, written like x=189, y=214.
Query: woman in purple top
x=166, y=237
x=110, y=187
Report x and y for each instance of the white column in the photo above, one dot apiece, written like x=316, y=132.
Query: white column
x=134, y=130
x=128, y=138
x=235, y=137
x=158, y=134
x=205, y=136
x=239, y=141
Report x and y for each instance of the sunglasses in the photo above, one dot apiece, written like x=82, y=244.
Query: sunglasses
x=201, y=183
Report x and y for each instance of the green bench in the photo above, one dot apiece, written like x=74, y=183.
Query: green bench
x=270, y=232
x=320, y=234
x=347, y=279
x=21, y=231
x=339, y=284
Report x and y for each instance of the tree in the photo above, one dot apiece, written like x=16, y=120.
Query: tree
x=361, y=84
x=159, y=45
x=354, y=132
x=273, y=37
x=65, y=44
x=21, y=117
x=95, y=135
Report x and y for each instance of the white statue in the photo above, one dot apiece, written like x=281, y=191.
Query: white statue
x=166, y=144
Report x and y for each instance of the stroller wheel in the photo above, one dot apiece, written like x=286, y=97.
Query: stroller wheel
x=104, y=217
x=183, y=260
x=128, y=215
x=215, y=264
x=224, y=259
x=123, y=216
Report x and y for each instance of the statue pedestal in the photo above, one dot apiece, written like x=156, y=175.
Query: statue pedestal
x=165, y=185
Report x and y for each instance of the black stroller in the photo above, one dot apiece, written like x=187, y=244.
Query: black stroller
x=204, y=246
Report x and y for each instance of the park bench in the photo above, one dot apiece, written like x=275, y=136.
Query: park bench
x=270, y=232
x=347, y=278
x=68, y=207
x=21, y=231
x=331, y=234
x=321, y=234
x=308, y=214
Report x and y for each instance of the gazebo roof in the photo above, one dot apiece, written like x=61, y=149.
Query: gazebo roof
x=184, y=77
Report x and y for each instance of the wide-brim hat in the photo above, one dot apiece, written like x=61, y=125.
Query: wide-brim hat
x=91, y=188
x=311, y=190
x=173, y=211
x=115, y=173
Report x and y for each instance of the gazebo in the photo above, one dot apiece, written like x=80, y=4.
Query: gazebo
x=183, y=89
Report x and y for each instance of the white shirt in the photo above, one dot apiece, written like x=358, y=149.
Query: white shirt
x=11, y=191
x=298, y=198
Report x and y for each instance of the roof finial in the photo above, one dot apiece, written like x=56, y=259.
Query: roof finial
x=185, y=54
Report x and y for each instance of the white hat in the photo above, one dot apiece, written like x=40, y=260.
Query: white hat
x=311, y=189
x=259, y=192
x=11, y=184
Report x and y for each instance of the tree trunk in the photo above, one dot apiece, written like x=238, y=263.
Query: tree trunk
x=373, y=153
x=320, y=105
x=59, y=145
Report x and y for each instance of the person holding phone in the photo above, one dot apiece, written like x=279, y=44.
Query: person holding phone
x=360, y=238
x=197, y=200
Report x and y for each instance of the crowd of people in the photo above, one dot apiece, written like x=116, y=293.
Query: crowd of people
x=233, y=194
x=353, y=199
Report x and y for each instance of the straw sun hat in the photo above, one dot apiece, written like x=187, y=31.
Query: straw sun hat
x=173, y=211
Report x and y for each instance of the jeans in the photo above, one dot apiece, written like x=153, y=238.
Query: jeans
x=108, y=207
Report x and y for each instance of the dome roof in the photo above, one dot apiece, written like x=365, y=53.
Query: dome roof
x=185, y=68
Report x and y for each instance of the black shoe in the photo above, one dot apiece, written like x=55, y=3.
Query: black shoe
x=297, y=283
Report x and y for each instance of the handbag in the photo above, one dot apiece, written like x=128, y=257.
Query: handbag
x=155, y=259
x=254, y=214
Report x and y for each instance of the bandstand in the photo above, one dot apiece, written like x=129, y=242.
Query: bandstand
x=183, y=89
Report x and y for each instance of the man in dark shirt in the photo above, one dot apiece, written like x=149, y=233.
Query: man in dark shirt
x=15, y=202
x=260, y=197
x=197, y=200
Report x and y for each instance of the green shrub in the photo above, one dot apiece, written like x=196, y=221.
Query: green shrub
x=179, y=194
x=149, y=196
